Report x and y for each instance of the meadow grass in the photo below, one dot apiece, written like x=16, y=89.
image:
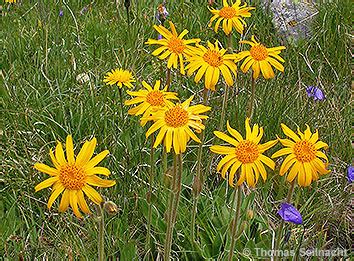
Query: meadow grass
x=41, y=102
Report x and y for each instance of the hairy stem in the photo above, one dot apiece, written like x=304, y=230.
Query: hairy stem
x=151, y=179
x=238, y=192
x=170, y=211
x=251, y=101
x=198, y=179
x=100, y=233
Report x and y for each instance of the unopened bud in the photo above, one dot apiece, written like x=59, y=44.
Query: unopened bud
x=148, y=197
x=110, y=207
x=197, y=186
x=250, y=214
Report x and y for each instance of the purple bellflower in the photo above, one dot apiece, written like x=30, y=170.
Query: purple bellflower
x=315, y=92
x=290, y=214
x=350, y=174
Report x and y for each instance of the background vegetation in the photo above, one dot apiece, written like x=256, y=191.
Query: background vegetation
x=42, y=101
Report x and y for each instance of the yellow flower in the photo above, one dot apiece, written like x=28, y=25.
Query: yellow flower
x=211, y=62
x=173, y=46
x=304, y=156
x=261, y=58
x=120, y=77
x=150, y=99
x=10, y=1
x=74, y=177
x=246, y=154
x=175, y=123
x=231, y=16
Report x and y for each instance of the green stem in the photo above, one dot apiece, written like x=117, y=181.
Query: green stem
x=178, y=187
x=121, y=102
x=234, y=227
x=224, y=106
x=169, y=229
x=251, y=101
x=151, y=179
x=229, y=42
x=281, y=227
x=168, y=78
x=100, y=233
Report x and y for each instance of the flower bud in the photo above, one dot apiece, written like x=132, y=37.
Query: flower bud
x=110, y=207
x=250, y=214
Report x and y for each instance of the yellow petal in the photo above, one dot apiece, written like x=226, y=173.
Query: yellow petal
x=65, y=201
x=92, y=194
x=73, y=203
x=233, y=170
x=224, y=160
x=98, y=170
x=248, y=129
x=46, y=169
x=267, y=161
x=226, y=167
x=222, y=149
x=56, y=192
x=96, y=181
x=46, y=183
x=249, y=175
x=226, y=138
x=288, y=132
x=287, y=163
x=267, y=145
x=69, y=146
x=97, y=159
x=234, y=132
x=82, y=202
x=282, y=152
x=59, y=154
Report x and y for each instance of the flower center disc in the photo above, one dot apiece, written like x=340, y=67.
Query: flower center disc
x=155, y=98
x=227, y=12
x=259, y=52
x=176, y=117
x=213, y=58
x=71, y=177
x=304, y=151
x=176, y=45
x=247, y=151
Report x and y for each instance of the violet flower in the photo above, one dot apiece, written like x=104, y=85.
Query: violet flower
x=61, y=12
x=290, y=214
x=315, y=92
x=350, y=173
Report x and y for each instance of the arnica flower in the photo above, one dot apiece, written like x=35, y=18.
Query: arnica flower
x=290, y=214
x=173, y=46
x=350, y=173
x=74, y=177
x=120, y=77
x=304, y=159
x=175, y=123
x=315, y=92
x=261, y=59
x=10, y=1
x=244, y=153
x=150, y=99
x=210, y=62
x=231, y=16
